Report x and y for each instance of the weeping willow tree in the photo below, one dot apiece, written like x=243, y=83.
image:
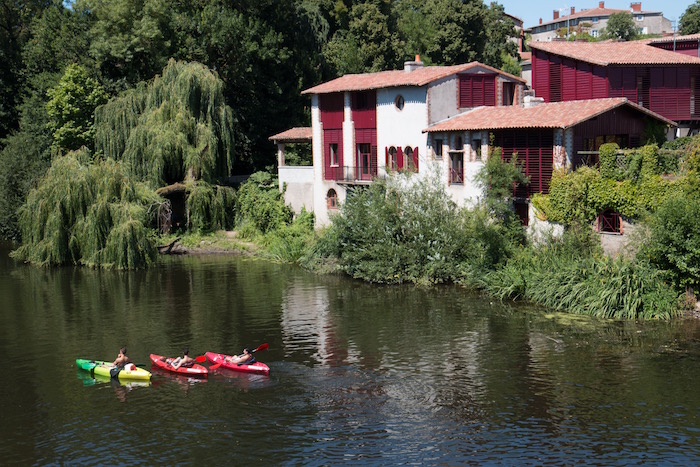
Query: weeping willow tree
x=175, y=128
x=88, y=212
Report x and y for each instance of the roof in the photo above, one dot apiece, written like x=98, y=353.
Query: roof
x=594, y=12
x=615, y=53
x=665, y=39
x=546, y=115
x=294, y=135
x=395, y=78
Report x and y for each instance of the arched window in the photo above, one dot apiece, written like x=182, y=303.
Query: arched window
x=332, y=199
x=408, y=153
x=393, y=159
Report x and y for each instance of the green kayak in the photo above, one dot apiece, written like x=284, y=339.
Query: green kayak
x=101, y=368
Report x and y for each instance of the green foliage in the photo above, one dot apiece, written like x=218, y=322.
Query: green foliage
x=261, y=204
x=90, y=214
x=176, y=127
x=407, y=230
x=131, y=39
x=498, y=178
x=674, y=240
x=210, y=207
x=370, y=43
x=629, y=183
x=71, y=109
x=571, y=275
x=620, y=25
x=298, y=154
x=290, y=242
x=690, y=19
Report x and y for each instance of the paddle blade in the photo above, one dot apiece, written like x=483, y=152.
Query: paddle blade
x=200, y=359
x=262, y=347
x=215, y=366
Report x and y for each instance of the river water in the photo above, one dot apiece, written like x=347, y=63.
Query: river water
x=360, y=374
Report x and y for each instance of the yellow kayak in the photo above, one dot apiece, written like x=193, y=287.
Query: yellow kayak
x=107, y=369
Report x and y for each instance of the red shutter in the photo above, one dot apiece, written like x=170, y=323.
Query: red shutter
x=399, y=157
x=568, y=81
x=583, y=81
x=489, y=91
x=386, y=152
x=415, y=158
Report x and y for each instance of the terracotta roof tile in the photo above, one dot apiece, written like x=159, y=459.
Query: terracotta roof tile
x=545, y=115
x=661, y=40
x=615, y=53
x=298, y=134
x=395, y=78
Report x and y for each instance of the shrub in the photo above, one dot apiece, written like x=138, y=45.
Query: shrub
x=260, y=204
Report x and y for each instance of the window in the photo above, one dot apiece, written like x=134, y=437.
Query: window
x=399, y=102
x=508, y=93
x=408, y=153
x=476, y=147
x=609, y=222
x=393, y=159
x=333, y=150
x=594, y=20
x=456, y=168
x=332, y=199
x=437, y=148
x=640, y=17
x=594, y=32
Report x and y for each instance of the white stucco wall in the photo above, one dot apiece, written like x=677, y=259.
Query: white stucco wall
x=299, y=183
x=401, y=128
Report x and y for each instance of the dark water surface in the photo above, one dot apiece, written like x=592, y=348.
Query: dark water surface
x=360, y=374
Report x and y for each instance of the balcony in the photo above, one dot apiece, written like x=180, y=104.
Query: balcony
x=352, y=174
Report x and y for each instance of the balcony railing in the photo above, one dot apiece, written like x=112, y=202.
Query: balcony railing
x=351, y=173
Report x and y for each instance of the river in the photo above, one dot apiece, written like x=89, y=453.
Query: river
x=360, y=374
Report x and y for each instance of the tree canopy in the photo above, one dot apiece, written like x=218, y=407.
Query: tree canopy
x=690, y=19
x=620, y=26
x=175, y=128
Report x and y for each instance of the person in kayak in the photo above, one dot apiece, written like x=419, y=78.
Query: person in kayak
x=245, y=358
x=185, y=360
x=122, y=359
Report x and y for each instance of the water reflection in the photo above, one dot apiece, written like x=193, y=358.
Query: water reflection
x=359, y=373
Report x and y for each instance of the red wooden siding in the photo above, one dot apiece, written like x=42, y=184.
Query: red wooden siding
x=568, y=80
x=668, y=90
x=477, y=89
x=540, y=74
x=364, y=109
x=621, y=125
x=332, y=136
x=685, y=48
x=555, y=79
x=331, y=107
x=535, y=150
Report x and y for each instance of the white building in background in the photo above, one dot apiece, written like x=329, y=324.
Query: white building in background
x=594, y=20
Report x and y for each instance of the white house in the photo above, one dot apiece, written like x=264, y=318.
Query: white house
x=366, y=125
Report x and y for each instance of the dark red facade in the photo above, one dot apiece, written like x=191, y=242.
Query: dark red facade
x=476, y=90
x=685, y=47
x=331, y=109
x=667, y=90
x=535, y=153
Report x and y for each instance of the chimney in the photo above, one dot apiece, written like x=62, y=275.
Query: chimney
x=601, y=4
x=555, y=14
x=412, y=65
x=532, y=101
x=540, y=20
x=573, y=10
x=636, y=6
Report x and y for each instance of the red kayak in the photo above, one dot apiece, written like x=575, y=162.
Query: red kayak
x=164, y=363
x=255, y=367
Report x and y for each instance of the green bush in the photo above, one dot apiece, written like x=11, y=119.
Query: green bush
x=674, y=241
x=261, y=204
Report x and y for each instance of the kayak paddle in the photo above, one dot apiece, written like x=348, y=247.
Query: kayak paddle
x=260, y=347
